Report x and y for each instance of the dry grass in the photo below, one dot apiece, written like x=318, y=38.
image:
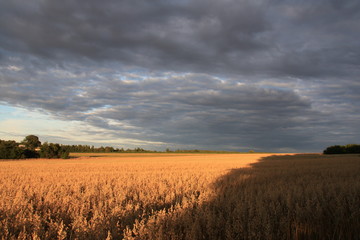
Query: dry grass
x=106, y=197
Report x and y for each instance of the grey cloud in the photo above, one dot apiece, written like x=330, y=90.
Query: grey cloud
x=281, y=38
x=188, y=109
x=316, y=39
x=160, y=34
x=207, y=74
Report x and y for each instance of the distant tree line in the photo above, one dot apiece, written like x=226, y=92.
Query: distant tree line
x=31, y=147
x=102, y=149
x=343, y=149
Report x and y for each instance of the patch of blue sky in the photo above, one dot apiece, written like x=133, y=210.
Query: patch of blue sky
x=107, y=106
x=16, y=122
x=7, y=112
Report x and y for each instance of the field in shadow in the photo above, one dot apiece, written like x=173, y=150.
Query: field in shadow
x=281, y=197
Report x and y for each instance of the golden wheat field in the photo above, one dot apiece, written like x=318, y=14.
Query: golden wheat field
x=181, y=196
x=105, y=197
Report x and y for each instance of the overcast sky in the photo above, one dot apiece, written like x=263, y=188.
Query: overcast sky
x=281, y=76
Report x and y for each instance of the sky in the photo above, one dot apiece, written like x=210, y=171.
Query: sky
x=237, y=75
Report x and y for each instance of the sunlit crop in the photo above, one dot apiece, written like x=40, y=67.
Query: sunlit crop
x=96, y=198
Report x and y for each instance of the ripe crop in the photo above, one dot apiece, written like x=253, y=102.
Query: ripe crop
x=181, y=196
x=96, y=198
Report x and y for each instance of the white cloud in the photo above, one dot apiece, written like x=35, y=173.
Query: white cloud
x=14, y=68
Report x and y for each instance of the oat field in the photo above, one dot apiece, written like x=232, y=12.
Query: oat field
x=181, y=196
x=105, y=197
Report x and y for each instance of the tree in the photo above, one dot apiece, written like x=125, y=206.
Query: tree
x=27, y=153
x=336, y=149
x=352, y=148
x=53, y=150
x=31, y=142
x=109, y=149
x=10, y=150
x=347, y=149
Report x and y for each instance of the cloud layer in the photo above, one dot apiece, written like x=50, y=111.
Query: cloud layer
x=235, y=75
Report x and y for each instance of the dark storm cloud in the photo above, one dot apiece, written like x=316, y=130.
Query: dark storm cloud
x=162, y=34
x=317, y=39
x=267, y=75
x=281, y=38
